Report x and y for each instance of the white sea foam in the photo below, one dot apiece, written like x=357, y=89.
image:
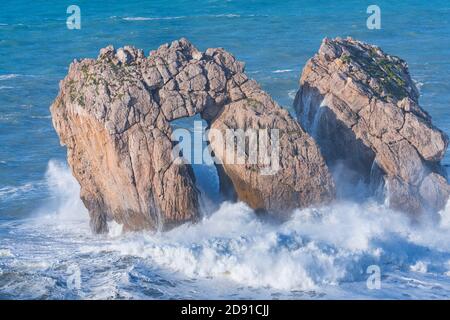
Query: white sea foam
x=420, y=266
x=445, y=216
x=65, y=205
x=225, y=15
x=151, y=18
x=15, y=191
x=8, y=76
x=315, y=248
x=5, y=253
x=325, y=249
x=292, y=93
x=282, y=70
x=41, y=117
x=419, y=84
x=229, y=15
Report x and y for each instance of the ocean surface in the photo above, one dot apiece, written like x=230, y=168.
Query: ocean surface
x=46, y=248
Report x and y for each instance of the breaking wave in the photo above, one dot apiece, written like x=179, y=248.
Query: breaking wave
x=318, y=252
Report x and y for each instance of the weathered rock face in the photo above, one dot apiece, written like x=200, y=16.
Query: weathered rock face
x=299, y=179
x=113, y=113
x=118, y=142
x=361, y=106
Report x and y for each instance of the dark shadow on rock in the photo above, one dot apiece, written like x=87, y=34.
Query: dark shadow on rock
x=348, y=158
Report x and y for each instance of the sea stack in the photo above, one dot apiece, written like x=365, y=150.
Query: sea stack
x=362, y=107
x=113, y=113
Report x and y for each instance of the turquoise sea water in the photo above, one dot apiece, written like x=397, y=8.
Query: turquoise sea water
x=43, y=227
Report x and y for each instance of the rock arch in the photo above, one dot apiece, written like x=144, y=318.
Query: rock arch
x=113, y=113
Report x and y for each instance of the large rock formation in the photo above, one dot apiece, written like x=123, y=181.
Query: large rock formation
x=108, y=113
x=301, y=177
x=113, y=113
x=362, y=108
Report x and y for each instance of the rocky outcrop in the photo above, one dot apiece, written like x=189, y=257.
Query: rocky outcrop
x=361, y=106
x=300, y=179
x=113, y=113
x=108, y=113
